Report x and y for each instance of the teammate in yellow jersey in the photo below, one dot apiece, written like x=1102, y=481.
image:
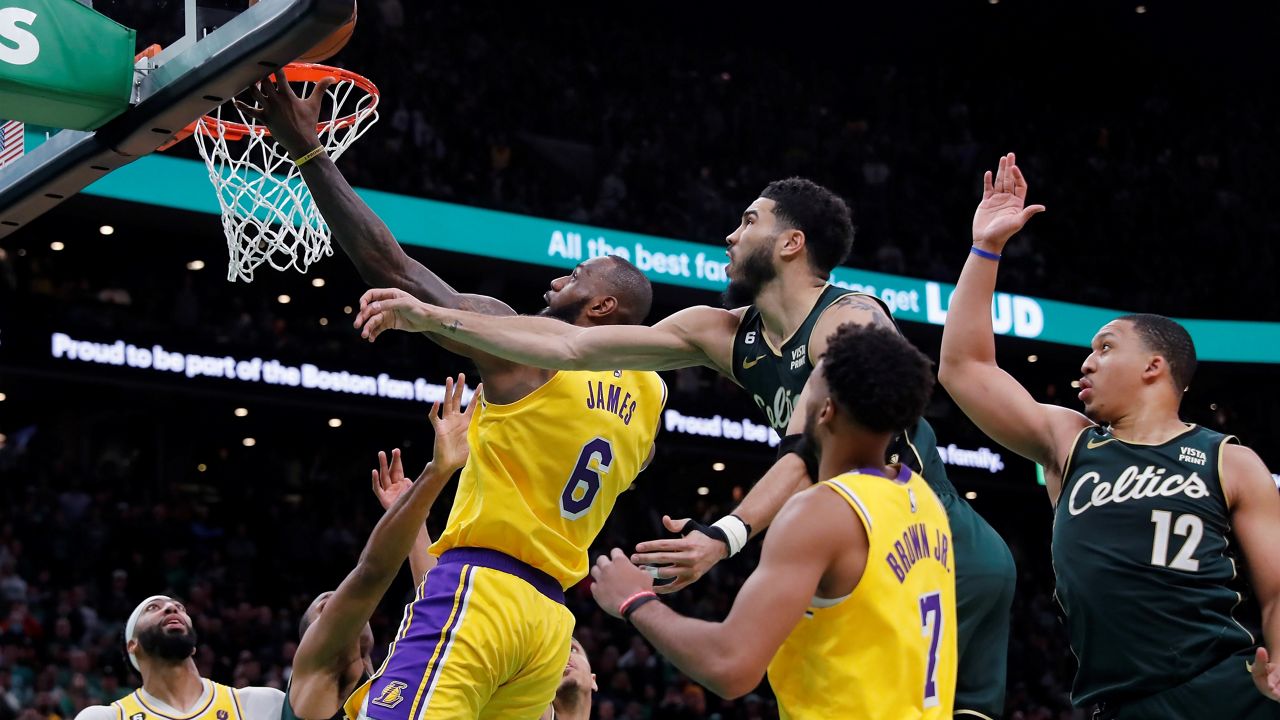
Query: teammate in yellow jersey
x=160, y=643
x=550, y=452
x=852, y=608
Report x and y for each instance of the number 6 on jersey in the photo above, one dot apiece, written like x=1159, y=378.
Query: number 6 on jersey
x=584, y=481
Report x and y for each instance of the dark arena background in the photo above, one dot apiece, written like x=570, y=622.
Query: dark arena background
x=1149, y=131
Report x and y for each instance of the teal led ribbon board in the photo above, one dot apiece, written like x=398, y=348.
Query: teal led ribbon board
x=184, y=184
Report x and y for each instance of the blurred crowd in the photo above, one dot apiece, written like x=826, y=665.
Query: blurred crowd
x=80, y=545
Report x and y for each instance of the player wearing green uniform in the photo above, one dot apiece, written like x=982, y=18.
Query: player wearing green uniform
x=784, y=312
x=1148, y=511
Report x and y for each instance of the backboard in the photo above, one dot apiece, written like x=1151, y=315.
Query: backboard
x=222, y=51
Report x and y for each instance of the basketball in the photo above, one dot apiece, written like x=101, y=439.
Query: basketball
x=330, y=46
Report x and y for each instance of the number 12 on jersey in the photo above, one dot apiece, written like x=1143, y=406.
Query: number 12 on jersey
x=586, y=479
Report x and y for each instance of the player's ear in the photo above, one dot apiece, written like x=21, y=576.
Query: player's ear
x=791, y=243
x=603, y=306
x=594, y=686
x=827, y=412
x=1156, y=366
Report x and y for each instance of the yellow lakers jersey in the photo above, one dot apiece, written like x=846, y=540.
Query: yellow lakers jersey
x=545, y=471
x=222, y=703
x=888, y=650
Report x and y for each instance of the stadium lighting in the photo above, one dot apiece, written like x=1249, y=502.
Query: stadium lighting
x=3, y=397
x=704, y=490
x=241, y=412
x=324, y=321
x=1213, y=406
x=195, y=265
x=346, y=310
x=249, y=442
x=2, y=439
x=718, y=467
x=106, y=230
x=1032, y=358
x=284, y=299
x=318, y=282
x=335, y=422
x=1075, y=383
x=1141, y=9
x=971, y=495
x=202, y=467
x=56, y=246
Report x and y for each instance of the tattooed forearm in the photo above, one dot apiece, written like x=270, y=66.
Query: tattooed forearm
x=452, y=328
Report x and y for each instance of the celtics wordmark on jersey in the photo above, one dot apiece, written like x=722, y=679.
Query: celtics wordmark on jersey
x=1147, y=577
x=888, y=650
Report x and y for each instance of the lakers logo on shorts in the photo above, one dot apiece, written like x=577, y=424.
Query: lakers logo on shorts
x=390, y=695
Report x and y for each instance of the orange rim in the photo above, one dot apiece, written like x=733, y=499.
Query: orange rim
x=298, y=72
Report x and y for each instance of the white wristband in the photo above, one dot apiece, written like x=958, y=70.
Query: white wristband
x=735, y=530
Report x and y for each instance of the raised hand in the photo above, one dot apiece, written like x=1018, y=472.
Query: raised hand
x=451, y=423
x=383, y=309
x=291, y=119
x=389, y=481
x=1003, y=210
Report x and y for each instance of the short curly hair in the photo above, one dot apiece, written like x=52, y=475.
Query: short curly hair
x=1169, y=339
x=878, y=376
x=817, y=212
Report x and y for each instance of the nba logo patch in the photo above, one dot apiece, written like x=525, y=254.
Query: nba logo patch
x=391, y=695
x=222, y=715
x=617, y=373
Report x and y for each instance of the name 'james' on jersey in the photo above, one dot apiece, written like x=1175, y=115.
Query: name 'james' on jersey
x=1146, y=576
x=545, y=470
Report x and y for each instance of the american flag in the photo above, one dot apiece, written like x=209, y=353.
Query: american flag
x=10, y=141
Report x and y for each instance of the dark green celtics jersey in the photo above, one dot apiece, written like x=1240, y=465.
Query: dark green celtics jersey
x=775, y=376
x=1145, y=574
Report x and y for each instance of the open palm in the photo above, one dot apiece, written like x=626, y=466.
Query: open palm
x=1003, y=210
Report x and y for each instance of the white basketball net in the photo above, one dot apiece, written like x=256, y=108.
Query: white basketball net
x=267, y=211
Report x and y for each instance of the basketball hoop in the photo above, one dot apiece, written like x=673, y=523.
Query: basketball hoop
x=268, y=214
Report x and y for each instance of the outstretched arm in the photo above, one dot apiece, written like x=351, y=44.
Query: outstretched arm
x=687, y=558
x=335, y=631
x=1255, y=518
x=730, y=657
x=694, y=336
x=992, y=398
x=360, y=233
x=390, y=483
